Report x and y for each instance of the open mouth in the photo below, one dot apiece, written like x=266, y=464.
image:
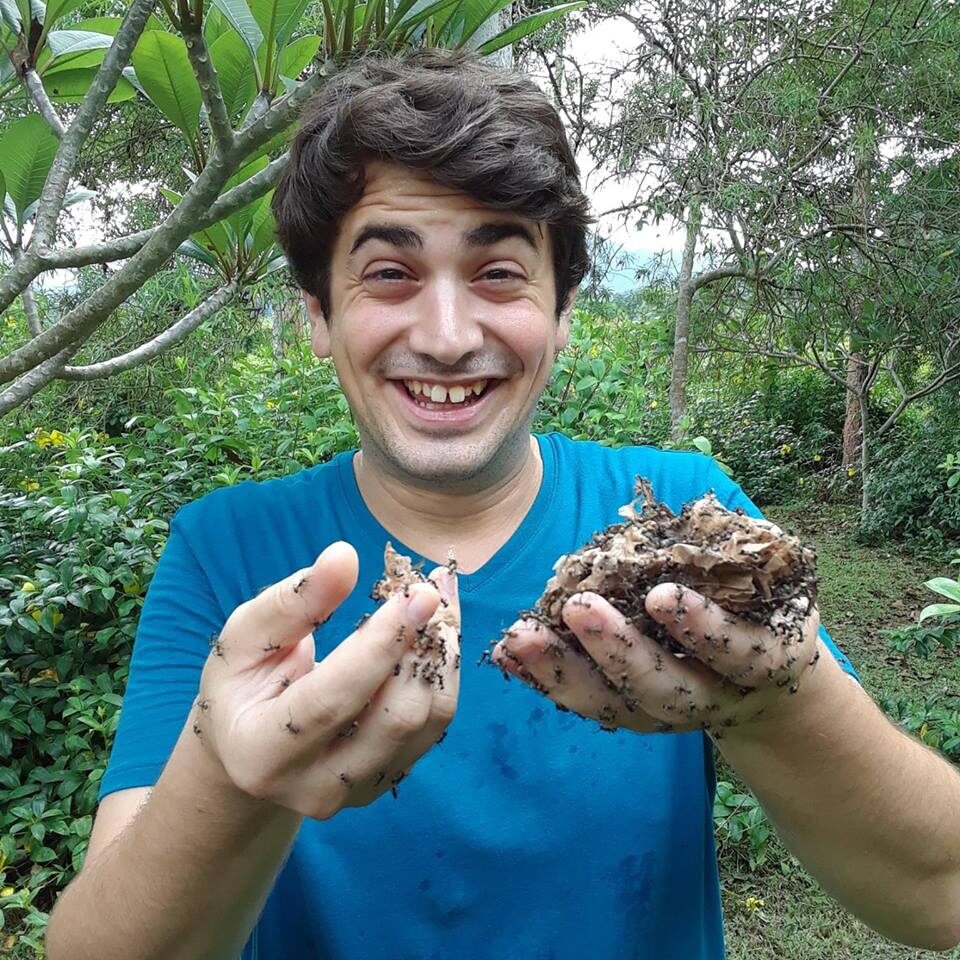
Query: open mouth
x=437, y=397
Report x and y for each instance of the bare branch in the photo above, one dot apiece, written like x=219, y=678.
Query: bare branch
x=35, y=380
x=162, y=342
x=102, y=86
x=209, y=85
x=30, y=309
x=46, y=108
x=113, y=250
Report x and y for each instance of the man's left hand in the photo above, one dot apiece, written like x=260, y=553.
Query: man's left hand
x=733, y=671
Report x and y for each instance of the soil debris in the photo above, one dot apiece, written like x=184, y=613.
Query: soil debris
x=432, y=641
x=749, y=567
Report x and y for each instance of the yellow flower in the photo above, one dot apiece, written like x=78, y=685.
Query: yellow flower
x=7, y=892
x=817, y=458
x=28, y=587
x=270, y=404
x=745, y=421
x=754, y=903
x=851, y=471
x=654, y=404
x=801, y=481
x=785, y=449
x=29, y=485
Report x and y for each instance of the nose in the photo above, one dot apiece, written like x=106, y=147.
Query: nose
x=446, y=325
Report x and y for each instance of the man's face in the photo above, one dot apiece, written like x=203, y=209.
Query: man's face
x=429, y=287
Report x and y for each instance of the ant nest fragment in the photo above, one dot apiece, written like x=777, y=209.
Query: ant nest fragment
x=749, y=567
x=440, y=633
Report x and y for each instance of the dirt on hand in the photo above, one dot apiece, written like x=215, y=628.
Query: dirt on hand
x=430, y=645
x=749, y=567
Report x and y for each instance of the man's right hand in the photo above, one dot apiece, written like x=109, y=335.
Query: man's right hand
x=317, y=737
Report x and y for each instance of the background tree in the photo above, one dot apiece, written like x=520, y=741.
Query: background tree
x=229, y=78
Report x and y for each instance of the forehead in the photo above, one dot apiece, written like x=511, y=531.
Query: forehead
x=397, y=194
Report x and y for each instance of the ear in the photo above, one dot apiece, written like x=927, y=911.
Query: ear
x=563, y=327
x=319, y=332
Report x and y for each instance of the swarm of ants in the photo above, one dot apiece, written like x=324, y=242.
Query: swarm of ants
x=433, y=641
x=749, y=567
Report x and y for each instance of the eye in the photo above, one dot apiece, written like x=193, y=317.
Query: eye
x=501, y=274
x=388, y=274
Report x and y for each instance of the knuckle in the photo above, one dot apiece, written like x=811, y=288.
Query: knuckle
x=405, y=719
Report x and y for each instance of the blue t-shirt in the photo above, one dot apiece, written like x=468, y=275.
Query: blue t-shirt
x=528, y=832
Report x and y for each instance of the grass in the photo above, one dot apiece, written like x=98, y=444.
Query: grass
x=863, y=590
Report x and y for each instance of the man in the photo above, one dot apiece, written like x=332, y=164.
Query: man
x=432, y=216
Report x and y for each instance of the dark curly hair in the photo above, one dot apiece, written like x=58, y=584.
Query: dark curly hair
x=487, y=132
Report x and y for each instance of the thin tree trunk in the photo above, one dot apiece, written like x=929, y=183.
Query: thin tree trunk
x=856, y=365
x=864, y=455
x=681, y=335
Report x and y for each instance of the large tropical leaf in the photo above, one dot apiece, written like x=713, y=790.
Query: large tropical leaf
x=163, y=68
x=27, y=149
x=57, y=9
x=82, y=60
x=295, y=56
x=411, y=20
x=243, y=21
x=241, y=220
x=263, y=228
x=215, y=239
x=231, y=59
x=528, y=25
x=278, y=18
x=110, y=25
x=71, y=85
x=64, y=42
x=11, y=15
x=471, y=15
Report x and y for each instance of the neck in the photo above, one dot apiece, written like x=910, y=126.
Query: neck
x=475, y=523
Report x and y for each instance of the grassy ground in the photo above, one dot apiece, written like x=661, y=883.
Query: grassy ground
x=863, y=590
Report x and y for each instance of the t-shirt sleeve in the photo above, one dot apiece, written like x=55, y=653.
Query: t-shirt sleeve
x=732, y=497
x=179, y=615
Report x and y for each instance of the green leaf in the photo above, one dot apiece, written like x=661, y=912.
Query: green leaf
x=939, y=610
x=71, y=86
x=277, y=19
x=470, y=17
x=242, y=20
x=528, y=25
x=57, y=9
x=231, y=59
x=295, y=56
x=263, y=228
x=27, y=149
x=11, y=16
x=703, y=445
x=945, y=587
x=61, y=43
x=163, y=68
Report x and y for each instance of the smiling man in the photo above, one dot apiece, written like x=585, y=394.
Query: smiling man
x=432, y=217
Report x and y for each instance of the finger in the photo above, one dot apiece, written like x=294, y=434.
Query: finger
x=649, y=678
x=743, y=651
x=341, y=685
x=287, y=611
x=534, y=653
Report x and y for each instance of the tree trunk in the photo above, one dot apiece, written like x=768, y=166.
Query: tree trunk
x=864, y=456
x=856, y=365
x=681, y=344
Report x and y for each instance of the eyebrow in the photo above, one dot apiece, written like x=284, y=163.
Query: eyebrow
x=486, y=235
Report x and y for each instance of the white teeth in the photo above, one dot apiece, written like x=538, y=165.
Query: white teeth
x=437, y=393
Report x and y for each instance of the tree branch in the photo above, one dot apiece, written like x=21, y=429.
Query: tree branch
x=162, y=342
x=46, y=108
x=73, y=139
x=209, y=84
x=113, y=250
x=30, y=309
x=34, y=381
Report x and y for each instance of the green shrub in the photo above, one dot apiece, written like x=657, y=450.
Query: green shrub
x=935, y=721
x=744, y=835
x=83, y=519
x=909, y=496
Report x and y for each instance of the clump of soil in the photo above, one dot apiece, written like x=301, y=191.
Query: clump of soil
x=750, y=567
x=433, y=640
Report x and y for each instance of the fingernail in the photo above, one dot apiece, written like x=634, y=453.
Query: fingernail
x=422, y=603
